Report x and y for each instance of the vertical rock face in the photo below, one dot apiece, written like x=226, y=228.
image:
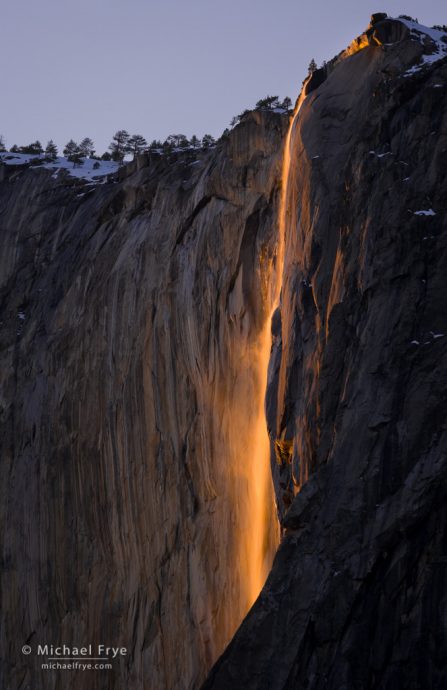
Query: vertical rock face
x=131, y=401
x=135, y=504
x=357, y=596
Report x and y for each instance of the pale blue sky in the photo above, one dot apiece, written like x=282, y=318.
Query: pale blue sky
x=155, y=67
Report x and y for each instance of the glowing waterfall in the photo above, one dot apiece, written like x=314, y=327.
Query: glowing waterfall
x=265, y=536
x=283, y=204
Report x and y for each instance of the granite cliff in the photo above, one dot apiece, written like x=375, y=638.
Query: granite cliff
x=132, y=409
x=357, y=595
x=136, y=507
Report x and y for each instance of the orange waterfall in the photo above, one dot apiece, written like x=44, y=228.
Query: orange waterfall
x=264, y=538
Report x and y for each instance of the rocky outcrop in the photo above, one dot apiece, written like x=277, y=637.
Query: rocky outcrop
x=136, y=508
x=131, y=397
x=357, y=595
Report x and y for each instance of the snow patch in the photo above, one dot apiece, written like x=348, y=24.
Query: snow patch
x=428, y=212
x=419, y=32
x=434, y=336
x=381, y=155
x=86, y=171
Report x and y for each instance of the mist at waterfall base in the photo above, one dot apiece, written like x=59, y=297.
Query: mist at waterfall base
x=90, y=68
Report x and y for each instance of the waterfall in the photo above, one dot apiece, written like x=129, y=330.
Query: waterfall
x=264, y=538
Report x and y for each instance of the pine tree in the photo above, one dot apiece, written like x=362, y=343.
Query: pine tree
x=119, y=145
x=73, y=153
x=2, y=143
x=286, y=104
x=106, y=156
x=194, y=142
x=37, y=148
x=269, y=102
x=34, y=149
x=136, y=144
x=70, y=148
x=155, y=144
x=51, y=150
x=312, y=66
x=208, y=141
x=177, y=141
x=87, y=148
x=76, y=158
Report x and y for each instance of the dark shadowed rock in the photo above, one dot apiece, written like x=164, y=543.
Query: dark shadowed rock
x=315, y=80
x=389, y=31
x=357, y=596
x=377, y=17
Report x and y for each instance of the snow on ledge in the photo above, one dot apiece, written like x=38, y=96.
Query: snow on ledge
x=85, y=171
x=418, y=32
x=428, y=212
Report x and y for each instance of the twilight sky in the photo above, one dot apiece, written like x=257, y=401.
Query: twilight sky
x=156, y=67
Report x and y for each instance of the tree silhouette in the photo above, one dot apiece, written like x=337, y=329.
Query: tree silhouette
x=51, y=150
x=269, y=102
x=136, y=144
x=87, y=147
x=73, y=153
x=119, y=145
x=208, y=141
x=34, y=149
x=177, y=141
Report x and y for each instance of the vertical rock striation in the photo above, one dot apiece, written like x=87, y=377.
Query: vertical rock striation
x=357, y=596
x=131, y=401
x=135, y=505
